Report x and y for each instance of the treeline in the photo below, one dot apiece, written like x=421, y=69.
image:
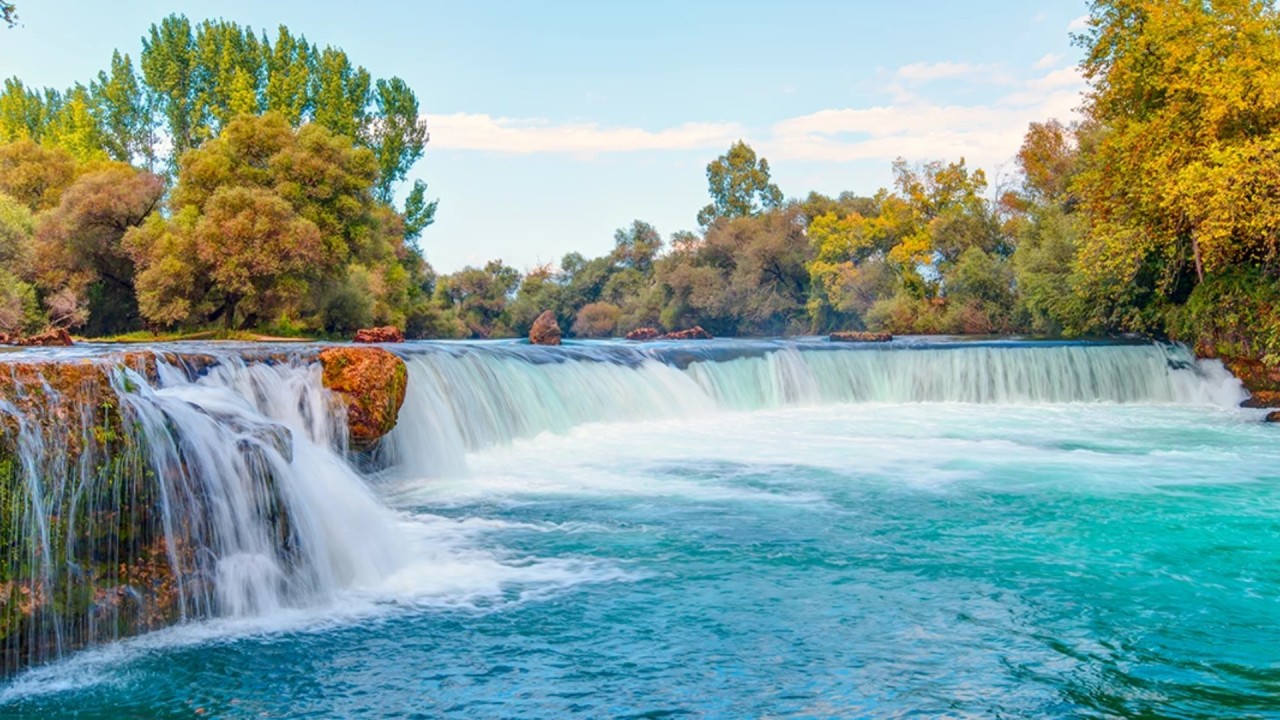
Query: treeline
x=1158, y=212
x=230, y=179
x=247, y=183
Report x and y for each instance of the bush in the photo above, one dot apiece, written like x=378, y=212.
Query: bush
x=596, y=320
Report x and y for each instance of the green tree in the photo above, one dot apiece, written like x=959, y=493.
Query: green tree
x=169, y=67
x=123, y=116
x=8, y=13
x=398, y=135
x=739, y=186
x=290, y=68
x=23, y=112
x=341, y=94
x=419, y=214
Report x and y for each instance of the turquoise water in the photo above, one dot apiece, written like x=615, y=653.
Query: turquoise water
x=804, y=559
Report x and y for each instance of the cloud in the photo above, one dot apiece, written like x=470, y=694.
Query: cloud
x=926, y=72
x=1079, y=24
x=1048, y=61
x=472, y=131
x=986, y=134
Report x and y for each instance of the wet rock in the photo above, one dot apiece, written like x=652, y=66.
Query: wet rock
x=545, y=330
x=1273, y=416
x=53, y=337
x=644, y=333
x=372, y=382
x=694, y=333
x=860, y=336
x=1263, y=399
x=385, y=334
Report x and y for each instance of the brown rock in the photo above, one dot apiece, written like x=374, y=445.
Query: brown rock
x=644, y=333
x=372, y=382
x=860, y=336
x=386, y=334
x=1273, y=416
x=1263, y=399
x=545, y=330
x=53, y=337
x=694, y=333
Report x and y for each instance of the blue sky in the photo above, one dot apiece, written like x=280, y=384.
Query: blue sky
x=553, y=124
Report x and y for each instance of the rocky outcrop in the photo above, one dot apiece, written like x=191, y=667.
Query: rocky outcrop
x=1260, y=379
x=112, y=573
x=372, y=382
x=694, y=333
x=644, y=333
x=53, y=337
x=859, y=336
x=385, y=334
x=545, y=330
x=1273, y=416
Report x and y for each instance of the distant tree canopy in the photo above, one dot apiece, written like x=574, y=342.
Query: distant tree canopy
x=247, y=181
x=233, y=179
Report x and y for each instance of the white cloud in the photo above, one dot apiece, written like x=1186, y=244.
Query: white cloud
x=1079, y=24
x=1048, y=61
x=926, y=72
x=472, y=131
x=985, y=134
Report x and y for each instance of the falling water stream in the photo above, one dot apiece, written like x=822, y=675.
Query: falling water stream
x=711, y=529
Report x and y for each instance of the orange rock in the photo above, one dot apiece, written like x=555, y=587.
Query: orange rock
x=694, y=333
x=860, y=336
x=644, y=333
x=385, y=334
x=53, y=337
x=545, y=330
x=372, y=382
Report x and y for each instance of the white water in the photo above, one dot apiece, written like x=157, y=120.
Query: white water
x=460, y=403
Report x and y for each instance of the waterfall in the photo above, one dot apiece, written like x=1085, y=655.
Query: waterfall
x=137, y=499
x=465, y=398
x=149, y=489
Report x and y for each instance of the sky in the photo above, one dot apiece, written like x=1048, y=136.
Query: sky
x=554, y=123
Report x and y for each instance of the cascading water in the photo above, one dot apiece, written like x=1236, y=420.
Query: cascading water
x=463, y=399
x=978, y=529
x=133, y=503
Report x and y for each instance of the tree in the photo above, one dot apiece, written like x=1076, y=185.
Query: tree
x=79, y=243
x=637, y=246
x=1186, y=95
x=35, y=175
x=739, y=186
x=418, y=213
x=23, y=112
x=169, y=67
x=397, y=136
x=480, y=296
x=74, y=128
x=122, y=113
x=290, y=68
x=596, y=320
x=340, y=99
x=258, y=253
x=8, y=13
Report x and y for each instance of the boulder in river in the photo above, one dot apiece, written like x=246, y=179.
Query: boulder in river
x=1273, y=416
x=644, y=333
x=372, y=382
x=53, y=337
x=545, y=330
x=385, y=334
x=694, y=333
x=860, y=336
